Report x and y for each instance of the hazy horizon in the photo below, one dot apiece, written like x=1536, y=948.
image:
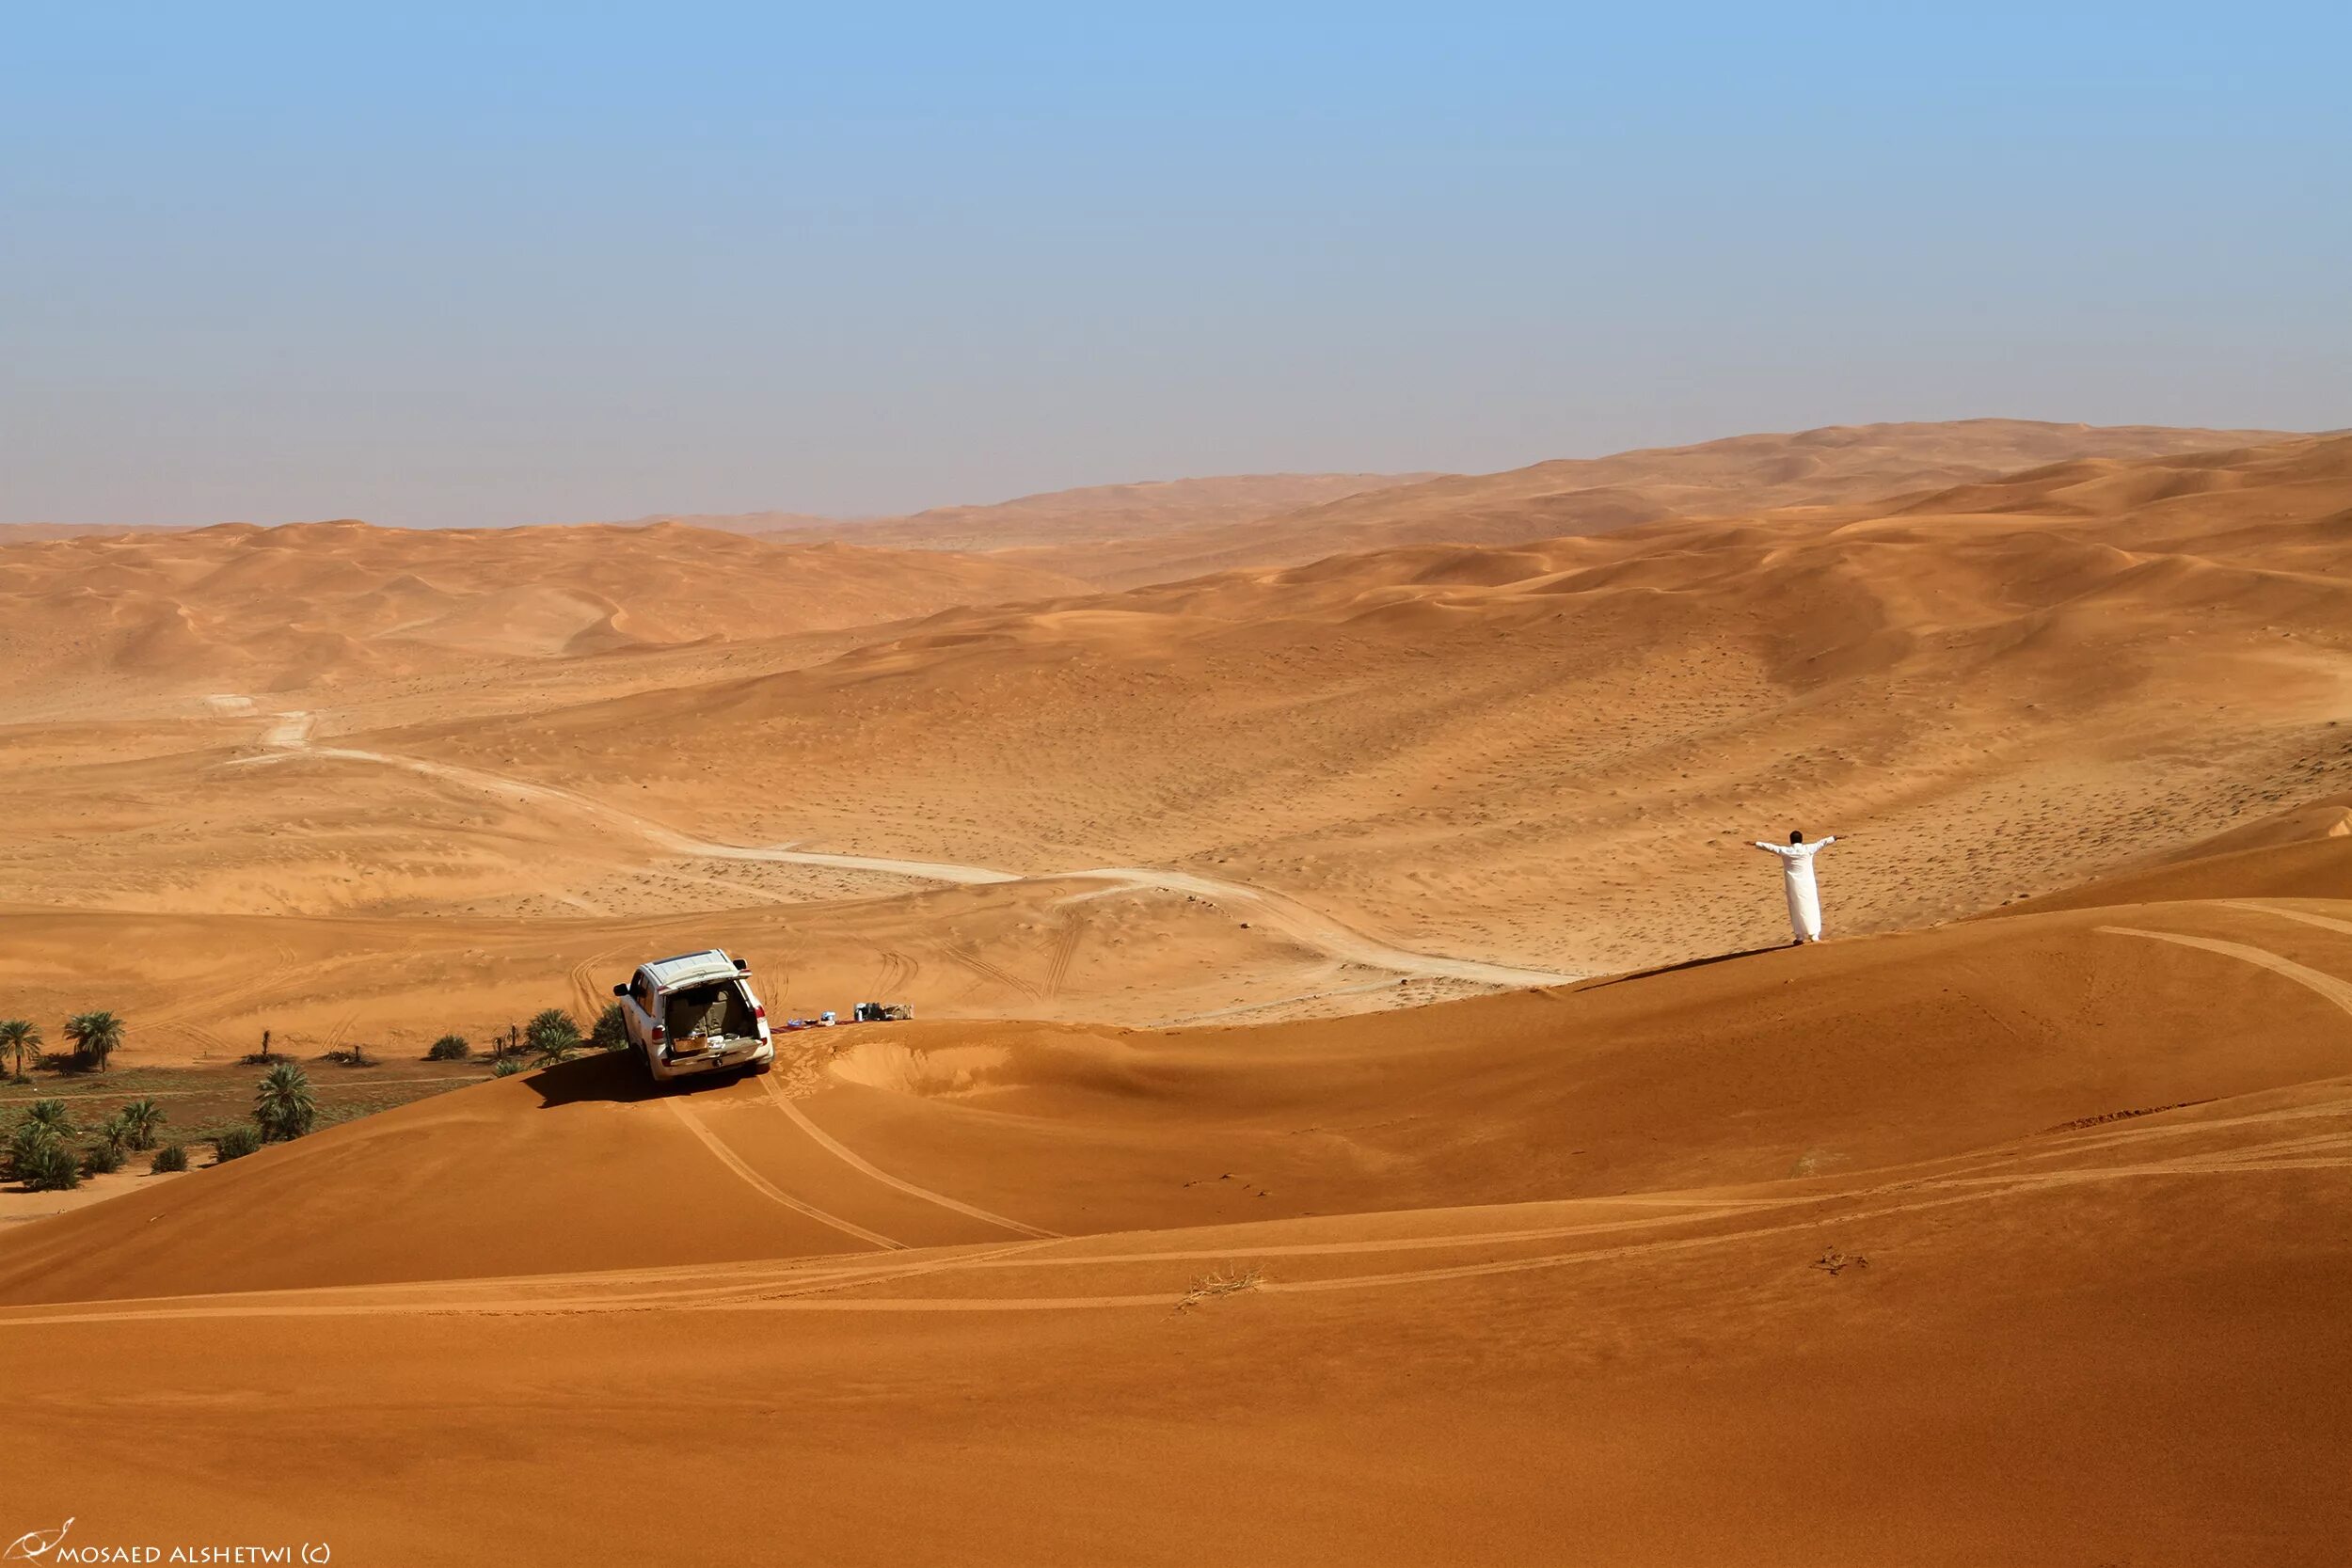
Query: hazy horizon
x=436, y=269
x=854, y=520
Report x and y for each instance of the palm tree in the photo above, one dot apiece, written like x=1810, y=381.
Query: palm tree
x=36, y=1149
x=139, y=1120
x=42, y=1162
x=20, y=1036
x=95, y=1035
x=27, y=1141
x=282, y=1106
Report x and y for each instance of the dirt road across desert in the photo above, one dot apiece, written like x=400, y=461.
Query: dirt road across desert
x=289, y=734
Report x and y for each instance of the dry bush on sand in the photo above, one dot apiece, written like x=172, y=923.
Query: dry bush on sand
x=1229, y=1280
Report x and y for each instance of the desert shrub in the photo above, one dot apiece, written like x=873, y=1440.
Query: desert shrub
x=170, y=1157
x=283, y=1105
x=26, y=1141
x=48, y=1165
x=102, y=1158
x=449, y=1048
x=1229, y=1280
x=140, y=1119
x=610, y=1033
x=506, y=1067
x=37, y=1144
x=350, y=1055
x=552, y=1034
x=236, y=1143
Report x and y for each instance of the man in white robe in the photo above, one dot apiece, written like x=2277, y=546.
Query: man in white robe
x=1796, y=876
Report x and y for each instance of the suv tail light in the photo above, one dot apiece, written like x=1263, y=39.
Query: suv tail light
x=760, y=1009
x=658, y=1034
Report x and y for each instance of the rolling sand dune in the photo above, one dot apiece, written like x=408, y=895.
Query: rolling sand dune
x=1554, y=755
x=1835, y=467
x=19, y=533
x=1126, y=535
x=201, y=987
x=1547, y=757
x=329, y=603
x=1171, y=1231
x=2302, y=852
x=2014, y=1241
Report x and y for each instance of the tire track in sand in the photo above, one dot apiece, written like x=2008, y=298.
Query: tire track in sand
x=592, y=995
x=2306, y=917
x=1065, y=950
x=969, y=956
x=768, y=1189
x=850, y=1157
x=1332, y=938
x=898, y=971
x=818, y=1293
x=2338, y=992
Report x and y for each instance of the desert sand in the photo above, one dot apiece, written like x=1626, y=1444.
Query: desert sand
x=2010, y=687
x=2004, y=1243
x=1826, y=469
x=1360, y=1107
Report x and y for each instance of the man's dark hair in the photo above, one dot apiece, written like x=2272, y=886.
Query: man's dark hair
x=1795, y=837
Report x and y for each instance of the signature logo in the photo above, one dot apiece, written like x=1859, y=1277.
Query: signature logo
x=34, y=1545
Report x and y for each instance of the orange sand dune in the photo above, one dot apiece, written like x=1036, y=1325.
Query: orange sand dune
x=266, y=609
x=1123, y=535
x=2011, y=1241
x=1836, y=467
x=1549, y=756
x=1853, y=1058
x=2302, y=852
x=1555, y=753
x=199, y=987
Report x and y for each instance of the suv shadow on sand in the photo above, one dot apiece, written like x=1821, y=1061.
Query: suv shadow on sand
x=617, y=1076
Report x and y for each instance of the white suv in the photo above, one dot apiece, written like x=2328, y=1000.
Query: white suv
x=695, y=1013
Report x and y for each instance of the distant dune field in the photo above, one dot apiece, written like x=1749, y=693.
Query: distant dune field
x=1548, y=754
x=1555, y=753
x=1087, y=516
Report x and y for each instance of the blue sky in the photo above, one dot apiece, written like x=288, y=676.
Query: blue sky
x=525, y=263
